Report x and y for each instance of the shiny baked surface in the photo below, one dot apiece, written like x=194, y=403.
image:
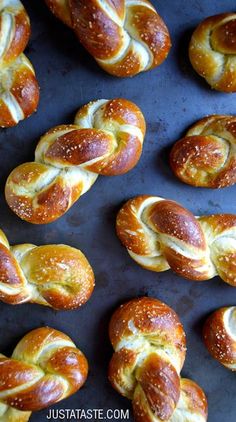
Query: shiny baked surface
x=212, y=51
x=106, y=139
x=150, y=348
x=125, y=37
x=58, y=276
x=45, y=367
x=206, y=156
x=170, y=108
x=160, y=234
x=19, y=90
x=219, y=335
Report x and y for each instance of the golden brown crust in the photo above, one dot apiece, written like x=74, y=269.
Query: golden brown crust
x=219, y=334
x=58, y=276
x=19, y=88
x=206, y=156
x=52, y=201
x=25, y=89
x=61, y=9
x=124, y=38
x=212, y=51
x=45, y=368
x=194, y=397
x=149, y=316
x=19, y=32
x=220, y=230
x=150, y=346
x=192, y=403
x=107, y=139
x=161, y=234
x=101, y=36
x=156, y=373
x=169, y=217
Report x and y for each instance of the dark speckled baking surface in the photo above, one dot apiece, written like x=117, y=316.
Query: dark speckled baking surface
x=171, y=97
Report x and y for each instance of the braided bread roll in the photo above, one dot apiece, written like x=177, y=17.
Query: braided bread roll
x=125, y=37
x=212, y=51
x=150, y=348
x=106, y=139
x=160, y=234
x=219, y=334
x=19, y=89
x=58, y=276
x=206, y=156
x=45, y=368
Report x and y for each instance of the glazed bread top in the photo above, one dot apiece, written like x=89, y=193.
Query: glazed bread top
x=212, y=51
x=160, y=234
x=150, y=347
x=19, y=91
x=219, y=334
x=58, y=276
x=106, y=139
x=206, y=156
x=124, y=36
x=45, y=368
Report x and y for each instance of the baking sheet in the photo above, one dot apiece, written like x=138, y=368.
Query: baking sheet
x=171, y=97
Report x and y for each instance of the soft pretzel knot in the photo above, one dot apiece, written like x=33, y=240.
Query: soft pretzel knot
x=45, y=368
x=58, y=276
x=219, y=335
x=106, y=139
x=212, y=51
x=206, y=156
x=19, y=89
x=160, y=234
x=150, y=348
x=124, y=36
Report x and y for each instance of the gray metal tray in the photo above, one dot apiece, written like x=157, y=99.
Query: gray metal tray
x=172, y=97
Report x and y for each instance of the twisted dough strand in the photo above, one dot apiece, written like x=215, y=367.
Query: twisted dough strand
x=124, y=36
x=19, y=89
x=58, y=276
x=150, y=348
x=206, y=156
x=160, y=234
x=212, y=51
x=106, y=139
x=45, y=368
x=61, y=8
